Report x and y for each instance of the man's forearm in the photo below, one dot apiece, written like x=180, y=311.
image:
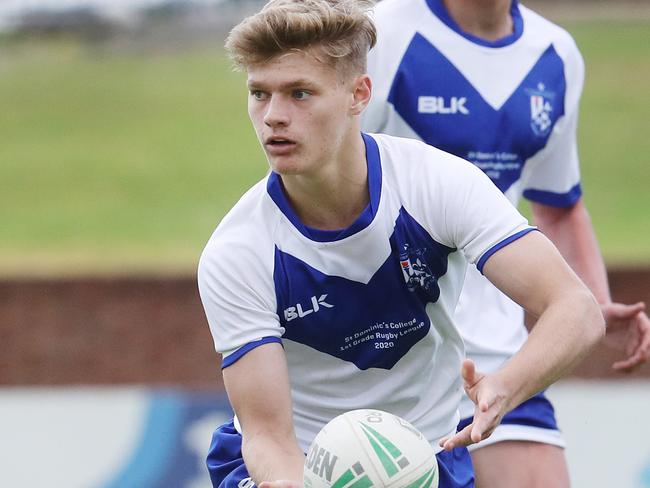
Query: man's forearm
x=268, y=458
x=563, y=335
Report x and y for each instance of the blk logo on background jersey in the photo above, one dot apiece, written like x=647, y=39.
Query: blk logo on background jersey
x=440, y=105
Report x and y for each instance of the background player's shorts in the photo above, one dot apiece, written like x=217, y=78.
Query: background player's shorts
x=533, y=420
x=227, y=469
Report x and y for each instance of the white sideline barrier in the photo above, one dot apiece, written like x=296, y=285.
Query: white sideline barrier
x=121, y=437
x=606, y=425
x=106, y=437
x=63, y=437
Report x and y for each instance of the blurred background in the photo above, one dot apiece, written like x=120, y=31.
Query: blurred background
x=123, y=141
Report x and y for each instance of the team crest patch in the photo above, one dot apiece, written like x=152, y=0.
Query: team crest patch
x=541, y=109
x=415, y=270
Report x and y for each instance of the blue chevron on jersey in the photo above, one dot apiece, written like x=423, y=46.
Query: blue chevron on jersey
x=378, y=322
x=446, y=111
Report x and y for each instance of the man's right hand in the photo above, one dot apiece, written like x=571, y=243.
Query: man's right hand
x=491, y=403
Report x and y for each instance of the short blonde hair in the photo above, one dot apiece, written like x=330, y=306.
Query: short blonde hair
x=340, y=30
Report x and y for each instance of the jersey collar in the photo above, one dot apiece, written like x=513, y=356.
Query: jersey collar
x=439, y=10
x=276, y=192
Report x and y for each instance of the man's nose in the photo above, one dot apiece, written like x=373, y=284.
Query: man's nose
x=277, y=112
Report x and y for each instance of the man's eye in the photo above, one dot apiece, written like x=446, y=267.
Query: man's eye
x=301, y=94
x=257, y=94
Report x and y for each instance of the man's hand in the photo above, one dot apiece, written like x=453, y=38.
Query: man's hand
x=491, y=405
x=628, y=329
x=280, y=484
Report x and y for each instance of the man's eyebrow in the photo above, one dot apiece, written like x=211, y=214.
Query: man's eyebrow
x=300, y=83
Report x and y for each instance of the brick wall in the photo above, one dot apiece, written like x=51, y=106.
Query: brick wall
x=148, y=330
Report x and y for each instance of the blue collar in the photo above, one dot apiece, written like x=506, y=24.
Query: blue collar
x=439, y=10
x=276, y=192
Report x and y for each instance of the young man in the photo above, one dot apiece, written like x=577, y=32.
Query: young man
x=494, y=83
x=331, y=284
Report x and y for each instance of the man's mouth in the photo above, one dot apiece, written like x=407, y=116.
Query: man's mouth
x=278, y=141
x=279, y=145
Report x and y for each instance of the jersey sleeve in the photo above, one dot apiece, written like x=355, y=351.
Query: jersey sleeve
x=236, y=290
x=461, y=206
x=481, y=219
x=553, y=175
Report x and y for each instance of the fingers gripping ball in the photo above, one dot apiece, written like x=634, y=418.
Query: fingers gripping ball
x=370, y=448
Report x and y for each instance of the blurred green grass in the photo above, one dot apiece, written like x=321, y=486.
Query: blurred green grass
x=118, y=163
x=614, y=137
x=126, y=162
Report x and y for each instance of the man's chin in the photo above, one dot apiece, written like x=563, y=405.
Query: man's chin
x=284, y=167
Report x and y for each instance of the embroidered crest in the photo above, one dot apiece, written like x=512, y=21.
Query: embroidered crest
x=415, y=270
x=541, y=109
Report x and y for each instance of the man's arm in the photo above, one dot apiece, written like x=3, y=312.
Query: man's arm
x=531, y=272
x=571, y=231
x=258, y=389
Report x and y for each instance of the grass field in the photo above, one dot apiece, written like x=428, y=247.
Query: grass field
x=125, y=162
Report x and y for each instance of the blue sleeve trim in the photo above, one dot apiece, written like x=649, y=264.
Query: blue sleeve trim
x=503, y=243
x=241, y=352
x=560, y=200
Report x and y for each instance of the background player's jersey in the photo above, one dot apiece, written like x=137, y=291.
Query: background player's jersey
x=509, y=106
x=364, y=313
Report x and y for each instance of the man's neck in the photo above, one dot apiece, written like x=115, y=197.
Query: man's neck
x=333, y=198
x=487, y=19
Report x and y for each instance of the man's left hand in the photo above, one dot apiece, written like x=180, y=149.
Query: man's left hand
x=628, y=329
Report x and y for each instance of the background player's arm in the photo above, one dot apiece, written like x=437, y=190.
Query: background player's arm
x=571, y=231
x=531, y=272
x=258, y=389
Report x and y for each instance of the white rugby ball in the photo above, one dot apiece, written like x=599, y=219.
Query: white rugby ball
x=370, y=448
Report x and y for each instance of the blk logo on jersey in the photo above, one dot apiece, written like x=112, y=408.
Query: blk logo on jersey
x=299, y=312
x=541, y=110
x=438, y=105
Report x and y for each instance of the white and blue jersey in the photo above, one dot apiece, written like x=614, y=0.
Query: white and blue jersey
x=508, y=106
x=365, y=314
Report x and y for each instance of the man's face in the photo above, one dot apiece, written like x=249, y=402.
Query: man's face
x=301, y=110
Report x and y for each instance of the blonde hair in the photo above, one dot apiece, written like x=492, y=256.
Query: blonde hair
x=340, y=30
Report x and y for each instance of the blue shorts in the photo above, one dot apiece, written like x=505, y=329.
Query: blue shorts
x=533, y=420
x=227, y=469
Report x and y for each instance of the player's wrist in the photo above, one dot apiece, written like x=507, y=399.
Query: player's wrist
x=509, y=389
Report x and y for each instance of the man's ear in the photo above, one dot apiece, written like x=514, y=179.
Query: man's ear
x=361, y=92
